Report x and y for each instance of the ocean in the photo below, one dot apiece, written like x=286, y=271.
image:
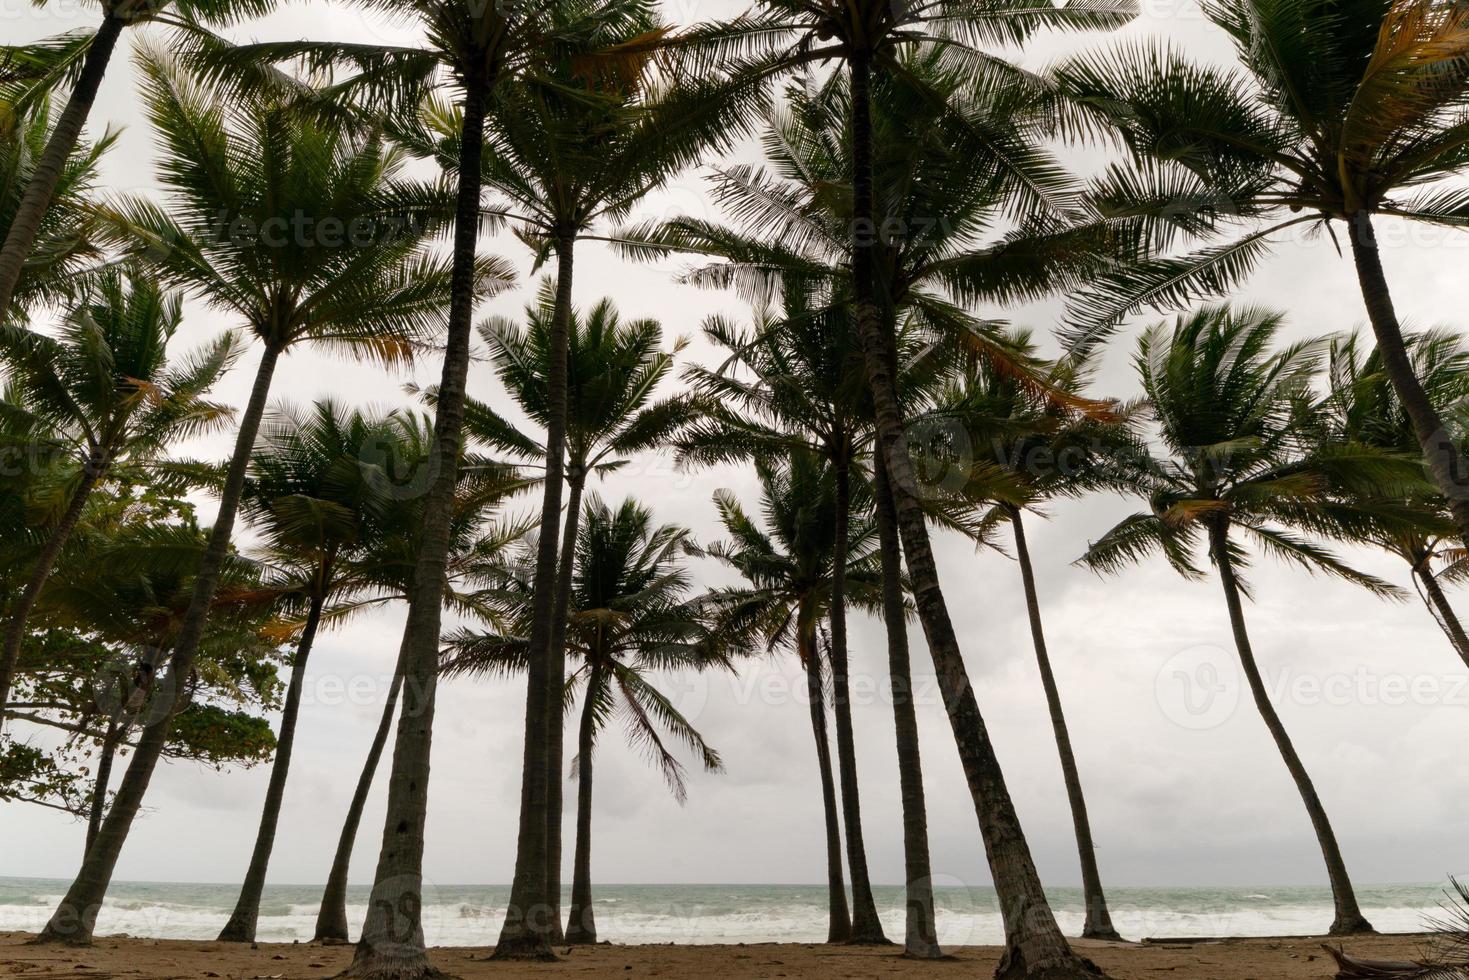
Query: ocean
x=470, y=915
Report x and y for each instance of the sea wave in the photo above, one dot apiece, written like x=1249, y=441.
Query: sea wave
x=470, y=916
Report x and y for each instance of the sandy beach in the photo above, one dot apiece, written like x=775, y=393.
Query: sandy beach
x=146, y=959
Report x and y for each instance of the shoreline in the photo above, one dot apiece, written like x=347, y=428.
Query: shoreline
x=1285, y=958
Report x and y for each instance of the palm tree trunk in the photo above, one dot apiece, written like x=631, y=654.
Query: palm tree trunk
x=866, y=926
x=75, y=917
x=1349, y=919
x=839, y=928
x=41, y=189
x=1098, y=920
x=15, y=630
x=556, y=705
x=331, y=919
x=391, y=945
x=920, y=935
x=1445, y=462
x=581, y=923
x=1438, y=604
x=1034, y=945
x=103, y=779
x=242, y=921
x=526, y=933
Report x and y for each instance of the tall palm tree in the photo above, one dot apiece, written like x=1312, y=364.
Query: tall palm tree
x=255, y=196
x=795, y=384
x=106, y=386
x=580, y=142
x=474, y=47
x=1339, y=110
x=792, y=593
x=1362, y=406
x=1025, y=449
x=942, y=147
x=65, y=242
x=385, y=570
x=82, y=60
x=630, y=614
x=613, y=369
x=315, y=506
x=1228, y=412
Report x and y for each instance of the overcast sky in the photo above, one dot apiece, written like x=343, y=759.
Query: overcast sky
x=1183, y=790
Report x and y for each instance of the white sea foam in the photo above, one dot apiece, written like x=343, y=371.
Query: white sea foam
x=470, y=916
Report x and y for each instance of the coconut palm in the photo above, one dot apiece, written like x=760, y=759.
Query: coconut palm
x=315, y=503
x=259, y=199
x=384, y=571
x=1337, y=111
x=791, y=593
x=795, y=384
x=1241, y=465
x=65, y=242
x=106, y=387
x=630, y=615
x=1022, y=449
x=82, y=60
x=579, y=144
x=1362, y=406
x=943, y=146
x=613, y=369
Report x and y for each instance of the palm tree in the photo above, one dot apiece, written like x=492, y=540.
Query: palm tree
x=791, y=593
x=613, y=369
x=259, y=200
x=630, y=614
x=580, y=142
x=1024, y=449
x=1336, y=112
x=386, y=567
x=613, y=372
x=1362, y=406
x=795, y=384
x=65, y=242
x=942, y=146
x=474, y=47
x=83, y=60
x=315, y=505
x=105, y=385
x=1228, y=412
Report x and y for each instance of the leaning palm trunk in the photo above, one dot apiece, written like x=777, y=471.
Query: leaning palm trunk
x=1438, y=604
x=41, y=189
x=331, y=919
x=581, y=923
x=1034, y=945
x=920, y=936
x=1445, y=462
x=242, y=921
x=556, y=702
x=839, y=928
x=103, y=779
x=392, y=944
x=15, y=630
x=76, y=916
x=1098, y=920
x=1349, y=919
x=866, y=926
x=526, y=933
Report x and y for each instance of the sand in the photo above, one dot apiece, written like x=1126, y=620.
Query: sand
x=148, y=959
